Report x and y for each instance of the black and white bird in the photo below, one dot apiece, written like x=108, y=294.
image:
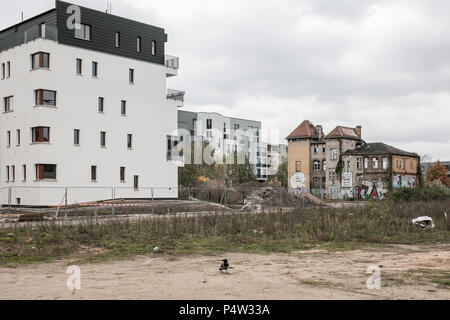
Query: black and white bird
x=224, y=265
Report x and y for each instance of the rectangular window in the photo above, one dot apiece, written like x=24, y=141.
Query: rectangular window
x=76, y=137
x=94, y=69
x=8, y=103
x=316, y=165
x=40, y=134
x=45, y=97
x=139, y=44
x=236, y=126
x=324, y=165
x=130, y=141
x=94, y=173
x=366, y=163
x=83, y=32
x=79, y=66
x=101, y=104
x=136, y=182
x=334, y=154
x=131, y=76
x=298, y=166
x=123, y=108
x=3, y=71
x=102, y=139
x=208, y=123
x=8, y=69
x=8, y=138
x=45, y=171
x=24, y=172
x=122, y=174
x=117, y=39
x=359, y=163
x=13, y=169
x=323, y=148
x=18, y=136
x=316, y=148
x=7, y=173
x=374, y=163
x=385, y=163
x=154, y=48
x=42, y=30
x=40, y=60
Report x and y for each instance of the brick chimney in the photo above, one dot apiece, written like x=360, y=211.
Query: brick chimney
x=319, y=131
x=359, y=131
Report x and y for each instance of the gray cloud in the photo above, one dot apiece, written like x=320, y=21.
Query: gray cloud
x=382, y=64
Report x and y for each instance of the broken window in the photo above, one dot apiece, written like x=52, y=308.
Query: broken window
x=316, y=165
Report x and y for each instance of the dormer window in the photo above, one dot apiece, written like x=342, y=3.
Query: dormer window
x=139, y=44
x=42, y=30
x=117, y=39
x=154, y=48
x=83, y=32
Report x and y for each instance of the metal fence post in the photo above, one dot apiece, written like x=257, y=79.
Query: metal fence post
x=225, y=196
x=65, y=203
x=281, y=197
x=113, y=194
x=9, y=199
x=153, y=201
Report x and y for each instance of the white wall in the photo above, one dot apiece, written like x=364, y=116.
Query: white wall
x=150, y=118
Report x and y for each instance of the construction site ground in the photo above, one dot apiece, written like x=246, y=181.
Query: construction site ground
x=407, y=272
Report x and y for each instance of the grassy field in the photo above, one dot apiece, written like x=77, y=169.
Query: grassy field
x=378, y=223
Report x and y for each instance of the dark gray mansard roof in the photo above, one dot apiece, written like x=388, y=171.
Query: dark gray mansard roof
x=379, y=148
x=103, y=29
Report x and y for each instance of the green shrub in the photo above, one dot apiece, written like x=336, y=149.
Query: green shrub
x=420, y=194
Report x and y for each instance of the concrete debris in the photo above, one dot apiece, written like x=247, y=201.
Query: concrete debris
x=424, y=222
x=9, y=220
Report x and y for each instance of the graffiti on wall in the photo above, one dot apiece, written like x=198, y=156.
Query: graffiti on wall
x=366, y=190
x=404, y=181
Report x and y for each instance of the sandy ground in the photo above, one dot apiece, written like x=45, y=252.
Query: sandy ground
x=407, y=272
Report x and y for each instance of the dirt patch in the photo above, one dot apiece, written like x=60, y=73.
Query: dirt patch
x=313, y=274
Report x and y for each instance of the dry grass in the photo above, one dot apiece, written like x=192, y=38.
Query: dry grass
x=378, y=223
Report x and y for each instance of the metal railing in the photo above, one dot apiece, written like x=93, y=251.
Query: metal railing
x=172, y=61
x=175, y=94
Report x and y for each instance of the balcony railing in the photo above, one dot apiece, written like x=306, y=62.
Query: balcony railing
x=175, y=95
x=172, y=62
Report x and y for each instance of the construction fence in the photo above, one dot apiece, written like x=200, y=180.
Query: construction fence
x=75, y=201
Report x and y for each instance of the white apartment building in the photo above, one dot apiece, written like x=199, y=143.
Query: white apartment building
x=85, y=109
x=229, y=135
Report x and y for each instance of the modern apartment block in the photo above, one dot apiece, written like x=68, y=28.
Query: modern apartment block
x=228, y=135
x=85, y=107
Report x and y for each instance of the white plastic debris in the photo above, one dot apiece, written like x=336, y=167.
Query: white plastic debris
x=155, y=249
x=424, y=222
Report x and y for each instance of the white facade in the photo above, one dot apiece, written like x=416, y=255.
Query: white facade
x=150, y=117
x=229, y=135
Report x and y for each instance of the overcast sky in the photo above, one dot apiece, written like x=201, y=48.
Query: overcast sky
x=384, y=65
